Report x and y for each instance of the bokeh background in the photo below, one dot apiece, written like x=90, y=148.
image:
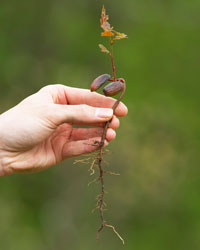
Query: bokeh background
x=155, y=202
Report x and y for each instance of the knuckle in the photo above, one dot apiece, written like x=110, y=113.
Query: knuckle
x=49, y=87
x=84, y=109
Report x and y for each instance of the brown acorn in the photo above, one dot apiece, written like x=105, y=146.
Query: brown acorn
x=99, y=81
x=113, y=88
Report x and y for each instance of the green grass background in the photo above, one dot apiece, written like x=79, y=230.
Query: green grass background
x=155, y=203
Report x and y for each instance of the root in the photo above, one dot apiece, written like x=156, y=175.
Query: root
x=94, y=209
x=97, y=159
x=114, y=230
x=88, y=160
x=91, y=169
x=95, y=180
x=83, y=161
x=101, y=202
x=111, y=173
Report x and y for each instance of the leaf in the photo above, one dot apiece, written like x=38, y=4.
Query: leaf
x=103, y=48
x=107, y=33
x=119, y=35
x=105, y=25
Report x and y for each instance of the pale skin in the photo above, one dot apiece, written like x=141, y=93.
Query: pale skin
x=38, y=132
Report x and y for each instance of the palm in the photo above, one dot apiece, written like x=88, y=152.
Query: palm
x=49, y=151
x=63, y=143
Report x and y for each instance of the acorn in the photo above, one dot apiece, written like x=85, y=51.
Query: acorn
x=113, y=88
x=99, y=81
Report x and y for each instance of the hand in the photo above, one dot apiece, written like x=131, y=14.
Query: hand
x=38, y=132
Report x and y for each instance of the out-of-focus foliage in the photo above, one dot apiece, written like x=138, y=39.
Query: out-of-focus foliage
x=155, y=203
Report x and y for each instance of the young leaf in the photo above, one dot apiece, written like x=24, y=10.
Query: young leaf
x=104, y=21
x=119, y=36
x=107, y=33
x=103, y=48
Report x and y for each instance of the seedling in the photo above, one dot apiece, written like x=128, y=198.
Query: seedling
x=116, y=85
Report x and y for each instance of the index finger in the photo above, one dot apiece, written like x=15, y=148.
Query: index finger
x=75, y=96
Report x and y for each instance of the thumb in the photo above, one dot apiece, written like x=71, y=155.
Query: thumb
x=80, y=114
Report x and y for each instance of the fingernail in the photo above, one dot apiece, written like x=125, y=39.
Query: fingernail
x=104, y=113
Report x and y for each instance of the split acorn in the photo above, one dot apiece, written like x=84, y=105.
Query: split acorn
x=99, y=81
x=111, y=89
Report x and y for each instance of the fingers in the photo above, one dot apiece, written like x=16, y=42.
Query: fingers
x=87, y=133
x=78, y=114
x=114, y=124
x=84, y=96
x=61, y=94
x=110, y=135
x=76, y=148
x=81, y=141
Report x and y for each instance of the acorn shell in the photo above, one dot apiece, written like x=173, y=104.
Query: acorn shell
x=99, y=81
x=113, y=88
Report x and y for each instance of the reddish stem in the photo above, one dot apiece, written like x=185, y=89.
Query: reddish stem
x=112, y=59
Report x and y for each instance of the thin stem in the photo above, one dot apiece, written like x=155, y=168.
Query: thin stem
x=112, y=59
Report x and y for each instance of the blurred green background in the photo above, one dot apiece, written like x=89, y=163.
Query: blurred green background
x=155, y=202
